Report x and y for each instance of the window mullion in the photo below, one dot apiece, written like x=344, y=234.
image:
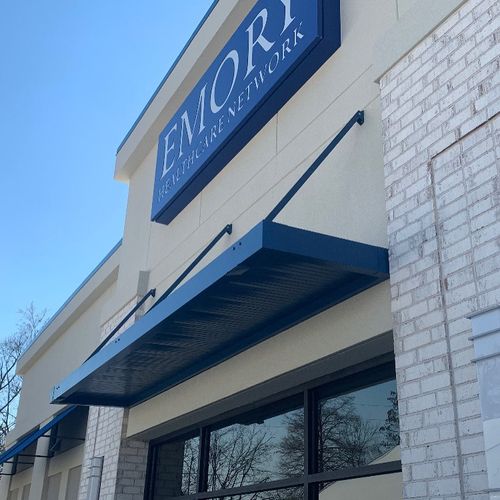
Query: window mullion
x=310, y=443
x=203, y=460
x=151, y=472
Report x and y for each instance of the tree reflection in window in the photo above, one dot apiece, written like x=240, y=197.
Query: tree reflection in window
x=358, y=428
x=285, y=494
x=177, y=468
x=243, y=454
x=346, y=430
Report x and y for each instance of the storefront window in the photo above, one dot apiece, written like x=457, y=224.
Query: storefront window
x=359, y=427
x=176, y=468
x=285, y=494
x=260, y=450
x=328, y=441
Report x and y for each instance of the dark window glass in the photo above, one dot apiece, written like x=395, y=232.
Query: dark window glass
x=26, y=460
x=74, y=427
x=261, y=449
x=359, y=428
x=286, y=494
x=176, y=471
x=347, y=428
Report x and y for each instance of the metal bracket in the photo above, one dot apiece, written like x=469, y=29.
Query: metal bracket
x=139, y=304
x=358, y=118
x=227, y=230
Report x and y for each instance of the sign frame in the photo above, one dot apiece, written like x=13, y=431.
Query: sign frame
x=178, y=183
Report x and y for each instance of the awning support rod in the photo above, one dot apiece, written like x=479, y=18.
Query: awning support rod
x=139, y=304
x=227, y=230
x=358, y=118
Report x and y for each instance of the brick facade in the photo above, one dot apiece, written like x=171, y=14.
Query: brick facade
x=125, y=460
x=440, y=107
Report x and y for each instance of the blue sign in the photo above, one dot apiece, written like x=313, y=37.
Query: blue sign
x=276, y=49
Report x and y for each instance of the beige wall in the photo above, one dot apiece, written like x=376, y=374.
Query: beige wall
x=344, y=198
x=20, y=480
x=58, y=360
x=60, y=464
x=351, y=322
x=248, y=187
x=64, y=464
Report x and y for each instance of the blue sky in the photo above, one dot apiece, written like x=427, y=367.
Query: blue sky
x=74, y=76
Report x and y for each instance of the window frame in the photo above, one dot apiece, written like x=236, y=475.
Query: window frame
x=311, y=393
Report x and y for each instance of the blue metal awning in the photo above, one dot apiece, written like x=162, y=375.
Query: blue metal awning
x=271, y=279
x=18, y=448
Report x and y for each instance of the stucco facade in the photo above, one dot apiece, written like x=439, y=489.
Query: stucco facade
x=419, y=177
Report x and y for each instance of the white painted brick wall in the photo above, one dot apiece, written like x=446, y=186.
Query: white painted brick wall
x=440, y=111
x=125, y=460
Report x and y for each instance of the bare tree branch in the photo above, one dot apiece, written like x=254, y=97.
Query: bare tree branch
x=12, y=346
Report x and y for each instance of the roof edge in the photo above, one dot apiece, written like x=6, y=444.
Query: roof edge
x=70, y=298
x=169, y=72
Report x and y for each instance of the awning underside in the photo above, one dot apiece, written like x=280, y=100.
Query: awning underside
x=273, y=278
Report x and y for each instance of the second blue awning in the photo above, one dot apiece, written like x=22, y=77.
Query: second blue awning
x=19, y=447
x=271, y=279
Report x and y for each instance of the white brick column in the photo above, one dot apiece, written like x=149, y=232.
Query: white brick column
x=124, y=460
x=440, y=106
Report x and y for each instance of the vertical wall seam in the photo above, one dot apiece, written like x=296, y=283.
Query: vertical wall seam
x=449, y=357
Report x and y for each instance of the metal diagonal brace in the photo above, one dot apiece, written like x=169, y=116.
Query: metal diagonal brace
x=227, y=230
x=358, y=118
x=139, y=304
